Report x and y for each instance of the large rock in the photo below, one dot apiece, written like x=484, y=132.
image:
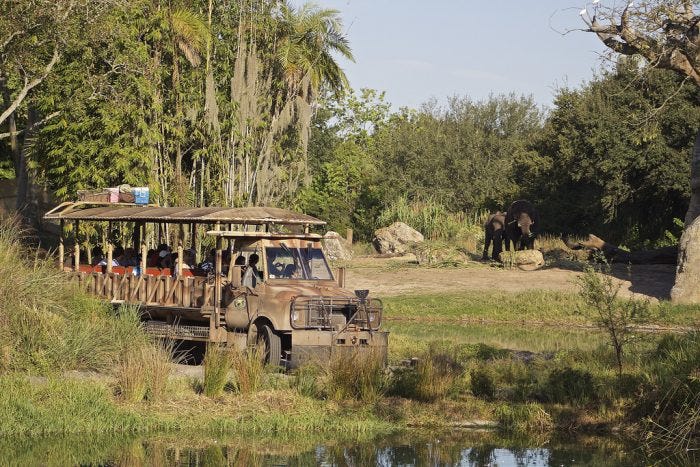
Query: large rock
x=396, y=239
x=527, y=260
x=335, y=247
x=687, y=286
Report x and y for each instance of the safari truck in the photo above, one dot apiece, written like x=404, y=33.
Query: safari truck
x=269, y=285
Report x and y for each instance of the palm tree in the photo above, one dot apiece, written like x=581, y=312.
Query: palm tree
x=188, y=35
x=309, y=37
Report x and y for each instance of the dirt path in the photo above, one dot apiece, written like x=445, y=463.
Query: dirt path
x=396, y=276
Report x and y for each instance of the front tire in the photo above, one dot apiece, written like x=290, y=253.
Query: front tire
x=271, y=345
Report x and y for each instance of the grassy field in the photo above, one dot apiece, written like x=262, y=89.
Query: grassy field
x=533, y=306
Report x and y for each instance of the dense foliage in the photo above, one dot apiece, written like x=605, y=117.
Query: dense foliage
x=236, y=103
x=611, y=158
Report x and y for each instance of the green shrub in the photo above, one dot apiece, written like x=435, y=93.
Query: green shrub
x=570, y=385
x=307, y=380
x=248, y=369
x=523, y=418
x=435, y=222
x=482, y=383
x=143, y=372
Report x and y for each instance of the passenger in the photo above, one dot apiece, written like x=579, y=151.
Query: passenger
x=187, y=260
x=208, y=264
x=225, y=261
x=119, y=256
x=130, y=258
x=251, y=275
x=165, y=259
x=289, y=271
x=152, y=259
x=97, y=255
x=115, y=257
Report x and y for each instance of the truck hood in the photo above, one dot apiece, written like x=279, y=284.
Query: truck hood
x=289, y=290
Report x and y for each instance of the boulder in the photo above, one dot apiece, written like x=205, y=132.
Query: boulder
x=335, y=247
x=527, y=260
x=687, y=286
x=396, y=239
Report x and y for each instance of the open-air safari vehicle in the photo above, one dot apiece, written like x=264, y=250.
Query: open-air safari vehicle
x=290, y=302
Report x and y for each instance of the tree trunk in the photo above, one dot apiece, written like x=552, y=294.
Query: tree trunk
x=613, y=254
x=22, y=170
x=694, y=206
x=687, y=286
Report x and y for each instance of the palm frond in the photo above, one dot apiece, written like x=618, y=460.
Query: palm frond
x=191, y=33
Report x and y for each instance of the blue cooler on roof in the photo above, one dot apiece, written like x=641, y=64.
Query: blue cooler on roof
x=141, y=195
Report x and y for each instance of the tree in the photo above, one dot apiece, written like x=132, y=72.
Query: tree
x=611, y=154
x=667, y=34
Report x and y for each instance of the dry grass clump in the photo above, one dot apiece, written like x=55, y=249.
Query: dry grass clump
x=241, y=371
x=143, y=373
x=355, y=375
x=218, y=362
x=248, y=369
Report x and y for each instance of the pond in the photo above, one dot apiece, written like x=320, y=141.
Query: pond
x=405, y=449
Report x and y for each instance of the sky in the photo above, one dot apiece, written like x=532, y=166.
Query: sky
x=417, y=50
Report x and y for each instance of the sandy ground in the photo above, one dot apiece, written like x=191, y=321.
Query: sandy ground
x=397, y=276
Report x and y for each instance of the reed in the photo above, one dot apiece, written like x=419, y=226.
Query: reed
x=354, y=375
x=248, y=369
x=218, y=362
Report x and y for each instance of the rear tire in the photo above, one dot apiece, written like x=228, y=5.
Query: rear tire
x=272, y=345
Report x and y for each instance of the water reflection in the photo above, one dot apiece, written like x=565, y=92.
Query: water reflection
x=406, y=449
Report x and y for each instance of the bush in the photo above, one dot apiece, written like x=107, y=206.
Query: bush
x=248, y=369
x=143, y=373
x=307, y=380
x=482, y=383
x=523, y=419
x=569, y=385
x=431, y=379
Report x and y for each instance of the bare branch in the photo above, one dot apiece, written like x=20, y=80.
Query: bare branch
x=31, y=127
x=28, y=85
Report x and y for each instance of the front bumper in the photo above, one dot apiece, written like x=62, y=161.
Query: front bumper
x=314, y=346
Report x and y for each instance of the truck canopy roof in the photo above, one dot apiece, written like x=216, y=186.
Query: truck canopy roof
x=90, y=211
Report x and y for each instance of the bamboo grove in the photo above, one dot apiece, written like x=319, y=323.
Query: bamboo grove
x=207, y=102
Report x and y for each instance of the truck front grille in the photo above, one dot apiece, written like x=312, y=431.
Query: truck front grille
x=329, y=312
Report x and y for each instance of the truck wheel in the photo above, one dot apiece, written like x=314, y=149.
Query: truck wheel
x=272, y=343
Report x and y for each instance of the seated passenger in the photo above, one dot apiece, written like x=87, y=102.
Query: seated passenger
x=208, y=264
x=130, y=258
x=289, y=271
x=251, y=276
x=97, y=255
x=118, y=251
x=152, y=259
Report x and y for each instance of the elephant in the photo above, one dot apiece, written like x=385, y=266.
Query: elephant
x=494, y=230
x=522, y=225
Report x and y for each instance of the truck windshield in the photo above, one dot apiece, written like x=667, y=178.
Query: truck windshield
x=285, y=262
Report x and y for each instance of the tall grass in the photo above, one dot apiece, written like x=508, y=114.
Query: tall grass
x=218, y=362
x=435, y=222
x=355, y=375
x=143, y=372
x=248, y=369
x=48, y=324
